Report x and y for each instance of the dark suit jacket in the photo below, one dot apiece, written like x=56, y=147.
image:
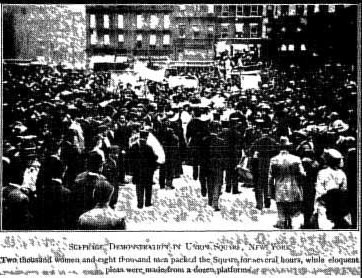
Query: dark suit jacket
x=82, y=193
x=143, y=163
x=53, y=207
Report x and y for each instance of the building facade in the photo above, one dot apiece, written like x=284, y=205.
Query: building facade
x=307, y=33
x=115, y=32
x=240, y=27
x=51, y=33
x=194, y=32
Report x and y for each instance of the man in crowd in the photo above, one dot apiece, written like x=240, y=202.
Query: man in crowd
x=47, y=103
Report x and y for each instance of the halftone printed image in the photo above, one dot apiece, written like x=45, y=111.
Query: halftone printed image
x=187, y=117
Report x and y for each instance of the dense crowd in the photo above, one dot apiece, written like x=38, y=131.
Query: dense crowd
x=69, y=143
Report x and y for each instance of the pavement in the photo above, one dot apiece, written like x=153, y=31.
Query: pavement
x=184, y=209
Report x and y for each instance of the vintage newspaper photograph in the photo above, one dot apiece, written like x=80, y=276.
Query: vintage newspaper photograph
x=180, y=139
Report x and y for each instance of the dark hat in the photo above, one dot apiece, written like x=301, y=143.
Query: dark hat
x=95, y=161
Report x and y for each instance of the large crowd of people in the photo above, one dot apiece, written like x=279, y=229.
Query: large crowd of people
x=69, y=143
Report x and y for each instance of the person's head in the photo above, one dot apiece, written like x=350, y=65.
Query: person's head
x=95, y=162
x=122, y=119
x=305, y=150
x=103, y=192
x=56, y=167
x=284, y=143
x=333, y=158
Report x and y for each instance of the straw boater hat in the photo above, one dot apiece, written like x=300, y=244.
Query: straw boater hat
x=340, y=126
x=284, y=142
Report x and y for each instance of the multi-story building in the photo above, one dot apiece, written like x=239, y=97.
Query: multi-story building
x=194, y=33
x=115, y=32
x=52, y=33
x=240, y=27
x=306, y=33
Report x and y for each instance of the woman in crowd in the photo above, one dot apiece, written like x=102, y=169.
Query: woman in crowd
x=330, y=178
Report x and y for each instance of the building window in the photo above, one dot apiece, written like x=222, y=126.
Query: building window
x=153, y=40
x=270, y=11
x=210, y=31
x=284, y=10
x=246, y=10
x=331, y=9
x=93, y=38
x=224, y=30
x=292, y=10
x=196, y=31
x=316, y=9
x=106, y=21
x=254, y=10
x=182, y=30
x=120, y=21
x=202, y=8
x=139, y=21
x=166, y=40
x=283, y=47
x=291, y=47
x=120, y=38
x=139, y=41
x=239, y=30
x=106, y=39
x=303, y=47
x=310, y=9
x=210, y=8
x=323, y=9
x=154, y=21
x=300, y=10
x=239, y=10
x=39, y=52
x=225, y=10
x=254, y=30
x=166, y=21
x=92, y=23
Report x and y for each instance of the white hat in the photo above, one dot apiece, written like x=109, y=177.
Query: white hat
x=340, y=126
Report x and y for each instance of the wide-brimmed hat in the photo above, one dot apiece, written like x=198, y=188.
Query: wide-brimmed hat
x=340, y=126
x=284, y=141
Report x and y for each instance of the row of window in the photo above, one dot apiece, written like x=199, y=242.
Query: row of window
x=106, y=39
x=241, y=10
x=153, y=23
x=277, y=10
x=291, y=47
x=240, y=30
